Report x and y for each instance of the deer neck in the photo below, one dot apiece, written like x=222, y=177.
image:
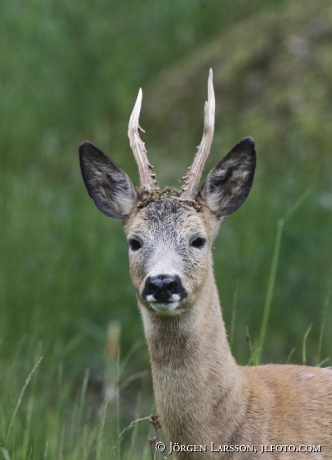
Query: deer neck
x=195, y=377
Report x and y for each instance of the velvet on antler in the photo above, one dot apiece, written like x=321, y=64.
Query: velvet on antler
x=192, y=179
x=147, y=176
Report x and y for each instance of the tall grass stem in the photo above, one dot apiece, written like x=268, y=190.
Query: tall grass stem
x=273, y=271
x=322, y=326
x=129, y=427
x=101, y=431
x=304, y=345
x=19, y=401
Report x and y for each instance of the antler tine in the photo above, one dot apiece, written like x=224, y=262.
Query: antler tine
x=191, y=180
x=146, y=173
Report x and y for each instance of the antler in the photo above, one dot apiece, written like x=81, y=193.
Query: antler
x=193, y=177
x=146, y=173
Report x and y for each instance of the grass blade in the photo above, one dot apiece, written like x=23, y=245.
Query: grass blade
x=21, y=397
x=289, y=356
x=270, y=289
x=129, y=427
x=5, y=453
x=322, y=326
x=101, y=431
x=304, y=346
x=273, y=271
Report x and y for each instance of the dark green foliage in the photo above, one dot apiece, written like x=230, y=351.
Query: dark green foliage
x=71, y=71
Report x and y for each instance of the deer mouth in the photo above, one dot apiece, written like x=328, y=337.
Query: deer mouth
x=164, y=308
x=164, y=292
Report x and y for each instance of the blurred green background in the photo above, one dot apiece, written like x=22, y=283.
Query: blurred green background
x=71, y=71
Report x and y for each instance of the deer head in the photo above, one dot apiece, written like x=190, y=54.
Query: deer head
x=170, y=232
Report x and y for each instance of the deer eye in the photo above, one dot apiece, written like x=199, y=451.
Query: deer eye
x=135, y=245
x=198, y=243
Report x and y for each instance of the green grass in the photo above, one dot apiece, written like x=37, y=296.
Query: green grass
x=272, y=277
x=61, y=418
x=51, y=415
x=71, y=71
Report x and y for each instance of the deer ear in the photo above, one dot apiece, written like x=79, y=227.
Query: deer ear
x=228, y=184
x=107, y=184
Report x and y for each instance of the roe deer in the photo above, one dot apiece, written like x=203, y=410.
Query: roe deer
x=209, y=406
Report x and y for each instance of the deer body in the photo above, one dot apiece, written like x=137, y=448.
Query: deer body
x=202, y=396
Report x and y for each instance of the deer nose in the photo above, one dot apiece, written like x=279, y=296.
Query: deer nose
x=163, y=289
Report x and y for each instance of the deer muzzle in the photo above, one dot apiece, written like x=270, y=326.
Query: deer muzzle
x=164, y=292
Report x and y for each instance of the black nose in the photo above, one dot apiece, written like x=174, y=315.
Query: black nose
x=164, y=288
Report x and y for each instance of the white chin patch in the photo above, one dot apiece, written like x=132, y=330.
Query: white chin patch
x=164, y=307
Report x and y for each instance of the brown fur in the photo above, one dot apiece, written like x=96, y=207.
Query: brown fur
x=202, y=395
